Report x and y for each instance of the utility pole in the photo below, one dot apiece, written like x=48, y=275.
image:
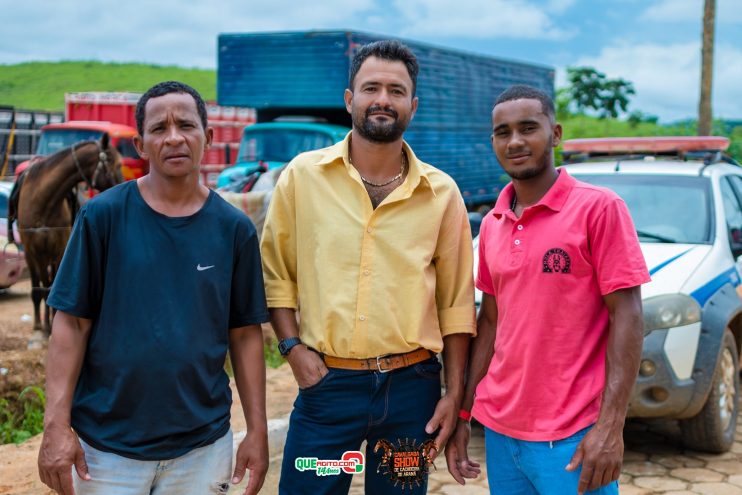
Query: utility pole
x=707, y=68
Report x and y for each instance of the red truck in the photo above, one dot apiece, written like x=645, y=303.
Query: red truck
x=88, y=115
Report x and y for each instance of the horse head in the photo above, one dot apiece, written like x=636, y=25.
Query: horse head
x=108, y=170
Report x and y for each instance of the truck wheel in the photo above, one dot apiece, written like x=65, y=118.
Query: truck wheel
x=713, y=429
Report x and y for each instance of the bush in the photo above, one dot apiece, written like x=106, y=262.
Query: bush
x=23, y=418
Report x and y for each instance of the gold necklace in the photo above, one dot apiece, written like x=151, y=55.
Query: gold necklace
x=395, y=178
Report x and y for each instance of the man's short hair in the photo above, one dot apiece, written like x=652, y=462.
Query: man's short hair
x=162, y=89
x=390, y=50
x=525, y=92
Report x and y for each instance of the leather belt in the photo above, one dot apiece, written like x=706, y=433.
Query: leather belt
x=381, y=364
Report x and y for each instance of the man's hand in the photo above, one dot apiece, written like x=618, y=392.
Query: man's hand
x=252, y=454
x=457, y=458
x=601, y=454
x=444, y=420
x=60, y=450
x=307, y=366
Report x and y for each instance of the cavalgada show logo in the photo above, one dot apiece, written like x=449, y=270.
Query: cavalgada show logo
x=406, y=463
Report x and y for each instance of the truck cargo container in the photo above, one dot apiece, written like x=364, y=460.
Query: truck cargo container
x=305, y=74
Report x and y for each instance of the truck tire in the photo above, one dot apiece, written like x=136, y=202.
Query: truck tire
x=712, y=429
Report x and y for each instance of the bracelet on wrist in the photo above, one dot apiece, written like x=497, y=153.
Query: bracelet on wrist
x=465, y=415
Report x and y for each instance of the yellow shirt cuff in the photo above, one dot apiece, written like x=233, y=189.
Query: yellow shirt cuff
x=281, y=294
x=457, y=320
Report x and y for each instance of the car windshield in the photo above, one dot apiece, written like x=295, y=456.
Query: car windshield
x=127, y=149
x=664, y=208
x=54, y=140
x=280, y=145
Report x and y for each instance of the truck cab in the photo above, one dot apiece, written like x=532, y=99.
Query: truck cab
x=271, y=145
x=55, y=137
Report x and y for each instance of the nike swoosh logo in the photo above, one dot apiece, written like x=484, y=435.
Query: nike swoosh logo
x=202, y=268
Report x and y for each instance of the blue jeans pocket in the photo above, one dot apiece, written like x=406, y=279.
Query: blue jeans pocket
x=430, y=369
x=322, y=381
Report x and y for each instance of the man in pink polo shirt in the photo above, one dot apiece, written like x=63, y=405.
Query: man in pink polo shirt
x=560, y=326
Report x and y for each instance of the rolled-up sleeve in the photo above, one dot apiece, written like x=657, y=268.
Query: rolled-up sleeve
x=278, y=245
x=454, y=271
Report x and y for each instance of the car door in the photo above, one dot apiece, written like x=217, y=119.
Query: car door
x=731, y=195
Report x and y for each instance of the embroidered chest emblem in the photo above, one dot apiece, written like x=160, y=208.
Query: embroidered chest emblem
x=556, y=260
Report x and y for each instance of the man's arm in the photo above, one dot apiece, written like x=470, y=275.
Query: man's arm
x=307, y=366
x=455, y=350
x=248, y=364
x=601, y=450
x=481, y=351
x=60, y=447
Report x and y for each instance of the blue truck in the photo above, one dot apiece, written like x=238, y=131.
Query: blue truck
x=300, y=77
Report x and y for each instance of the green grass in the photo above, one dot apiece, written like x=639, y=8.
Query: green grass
x=24, y=418
x=42, y=85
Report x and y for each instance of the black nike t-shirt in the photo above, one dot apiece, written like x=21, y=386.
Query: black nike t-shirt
x=162, y=293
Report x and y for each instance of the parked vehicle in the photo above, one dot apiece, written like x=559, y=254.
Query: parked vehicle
x=685, y=197
x=87, y=117
x=12, y=260
x=55, y=137
x=305, y=74
x=89, y=114
x=271, y=145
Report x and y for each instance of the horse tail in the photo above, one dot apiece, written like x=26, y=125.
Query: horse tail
x=15, y=194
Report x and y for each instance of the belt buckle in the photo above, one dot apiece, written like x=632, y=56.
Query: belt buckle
x=378, y=364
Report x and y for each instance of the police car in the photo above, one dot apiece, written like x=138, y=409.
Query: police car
x=685, y=197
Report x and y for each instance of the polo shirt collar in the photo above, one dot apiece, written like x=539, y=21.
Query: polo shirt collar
x=339, y=153
x=554, y=198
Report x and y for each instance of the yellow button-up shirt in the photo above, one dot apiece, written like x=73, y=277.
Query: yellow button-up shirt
x=368, y=282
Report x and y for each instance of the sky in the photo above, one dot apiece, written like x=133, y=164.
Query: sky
x=655, y=44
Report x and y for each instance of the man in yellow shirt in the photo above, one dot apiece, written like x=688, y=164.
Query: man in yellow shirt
x=374, y=247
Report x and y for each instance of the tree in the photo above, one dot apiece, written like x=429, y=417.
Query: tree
x=589, y=89
x=707, y=67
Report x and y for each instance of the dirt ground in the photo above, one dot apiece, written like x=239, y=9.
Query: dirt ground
x=18, y=474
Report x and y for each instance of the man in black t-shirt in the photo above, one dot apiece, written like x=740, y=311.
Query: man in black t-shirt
x=160, y=279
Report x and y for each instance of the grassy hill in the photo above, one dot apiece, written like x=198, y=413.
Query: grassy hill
x=42, y=85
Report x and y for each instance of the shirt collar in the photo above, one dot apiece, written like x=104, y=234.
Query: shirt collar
x=554, y=198
x=339, y=152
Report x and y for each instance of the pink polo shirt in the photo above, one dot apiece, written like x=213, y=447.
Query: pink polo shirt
x=548, y=271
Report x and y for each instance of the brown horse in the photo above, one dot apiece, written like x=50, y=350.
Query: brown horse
x=44, y=202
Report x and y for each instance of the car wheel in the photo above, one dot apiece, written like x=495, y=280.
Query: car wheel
x=713, y=429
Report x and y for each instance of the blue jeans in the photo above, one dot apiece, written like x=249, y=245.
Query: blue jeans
x=347, y=407
x=201, y=471
x=534, y=468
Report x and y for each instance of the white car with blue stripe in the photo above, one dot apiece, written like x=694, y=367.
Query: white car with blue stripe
x=685, y=198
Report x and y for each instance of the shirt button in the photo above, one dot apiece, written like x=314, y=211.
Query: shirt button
x=362, y=318
x=517, y=242
x=520, y=227
x=366, y=272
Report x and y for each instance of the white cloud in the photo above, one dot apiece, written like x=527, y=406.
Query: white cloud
x=165, y=32
x=727, y=11
x=520, y=19
x=667, y=77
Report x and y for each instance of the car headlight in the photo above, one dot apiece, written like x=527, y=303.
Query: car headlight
x=668, y=311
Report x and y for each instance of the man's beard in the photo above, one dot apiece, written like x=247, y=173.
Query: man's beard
x=379, y=132
x=529, y=173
